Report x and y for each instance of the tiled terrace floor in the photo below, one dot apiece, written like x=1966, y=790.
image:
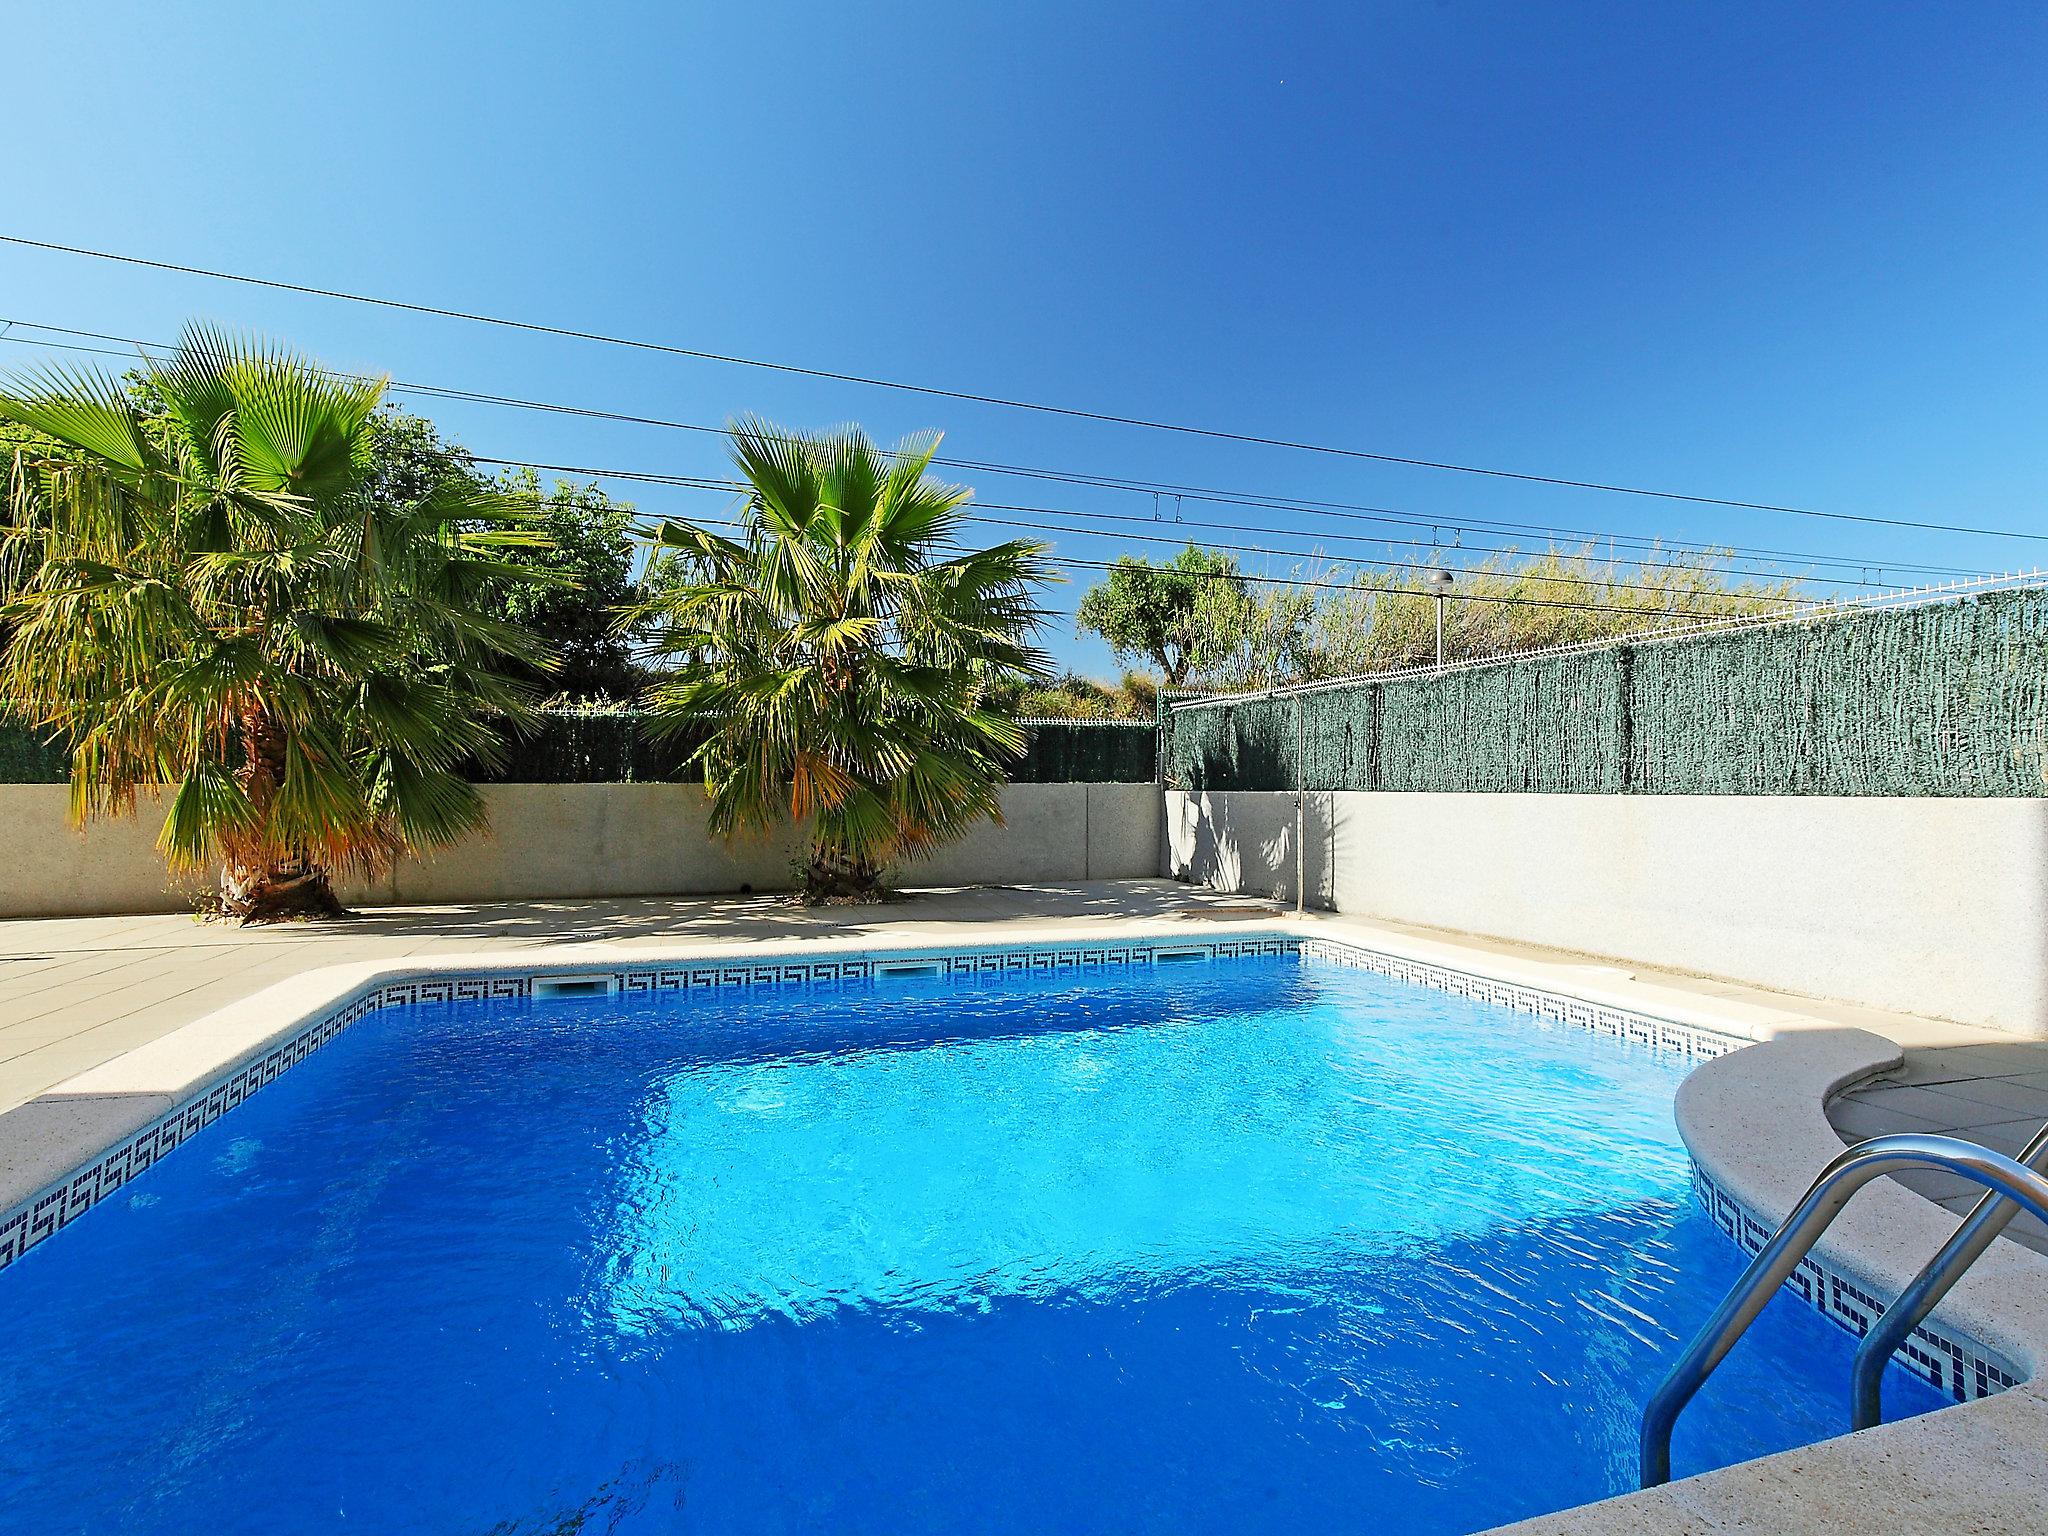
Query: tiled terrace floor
x=1996, y=1095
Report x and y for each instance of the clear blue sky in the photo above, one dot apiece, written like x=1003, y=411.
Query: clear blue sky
x=1787, y=253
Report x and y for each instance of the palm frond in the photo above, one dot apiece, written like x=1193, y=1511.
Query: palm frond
x=207, y=808
x=236, y=617
x=838, y=653
x=86, y=409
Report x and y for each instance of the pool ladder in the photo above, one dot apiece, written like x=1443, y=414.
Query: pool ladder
x=2009, y=1183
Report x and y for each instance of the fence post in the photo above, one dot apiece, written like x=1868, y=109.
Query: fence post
x=1300, y=817
x=1160, y=725
x=1625, y=717
x=1375, y=714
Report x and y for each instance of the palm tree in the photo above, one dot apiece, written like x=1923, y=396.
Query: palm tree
x=838, y=655
x=204, y=596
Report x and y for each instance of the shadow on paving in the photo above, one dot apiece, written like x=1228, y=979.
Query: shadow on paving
x=778, y=916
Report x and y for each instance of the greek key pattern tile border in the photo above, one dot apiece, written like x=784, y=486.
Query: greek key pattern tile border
x=1639, y=1028
x=1948, y=1364
x=56, y=1207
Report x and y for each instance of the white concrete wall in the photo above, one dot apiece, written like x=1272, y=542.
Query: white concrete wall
x=1935, y=906
x=580, y=840
x=48, y=869
x=1055, y=832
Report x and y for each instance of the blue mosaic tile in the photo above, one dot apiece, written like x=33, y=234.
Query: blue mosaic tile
x=1642, y=1029
x=1950, y=1365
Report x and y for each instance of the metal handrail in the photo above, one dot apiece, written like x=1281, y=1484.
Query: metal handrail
x=1987, y=1218
x=1774, y=1264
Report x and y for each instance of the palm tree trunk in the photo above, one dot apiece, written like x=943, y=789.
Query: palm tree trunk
x=266, y=884
x=833, y=876
x=277, y=889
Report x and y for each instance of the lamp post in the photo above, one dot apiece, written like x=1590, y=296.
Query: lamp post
x=1440, y=586
x=1300, y=827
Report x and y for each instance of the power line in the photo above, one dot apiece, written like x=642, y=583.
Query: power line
x=1354, y=538
x=727, y=486
x=1354, y=586
x=1075, y=562
x=685, y=482
x=1365, y=565
x=1341, y=511
x=703, y=482
x=1344, y=511
x=709, y=483
x=1236, y=578
x=669, y=349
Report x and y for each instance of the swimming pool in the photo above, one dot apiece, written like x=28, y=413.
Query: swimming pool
x=1234, y=1246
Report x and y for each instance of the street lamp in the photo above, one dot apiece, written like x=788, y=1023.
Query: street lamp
x=1440, y=585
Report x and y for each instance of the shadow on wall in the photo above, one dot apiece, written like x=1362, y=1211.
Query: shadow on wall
x=1242, y=842
x=1235, y=843
x=2037, y=963
x=1322, y=849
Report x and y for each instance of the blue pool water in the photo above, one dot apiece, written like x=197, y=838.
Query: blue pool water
x=1254, y=1246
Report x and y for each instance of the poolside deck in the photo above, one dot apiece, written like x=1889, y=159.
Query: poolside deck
x=1992, y=1094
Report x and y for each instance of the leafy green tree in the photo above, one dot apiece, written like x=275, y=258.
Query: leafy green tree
x=839, y=655
x=1271, y=639
x=217, y=600
x=588, y=559
x=408, y=462
x=583, y=558
x=1181, y=616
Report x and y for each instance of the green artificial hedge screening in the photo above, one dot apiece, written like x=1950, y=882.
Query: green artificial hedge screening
x=1089, y=752
x=26, y=759
x=578, y=747
x=574, y=748
x=616, y=746
x=1943, y=699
